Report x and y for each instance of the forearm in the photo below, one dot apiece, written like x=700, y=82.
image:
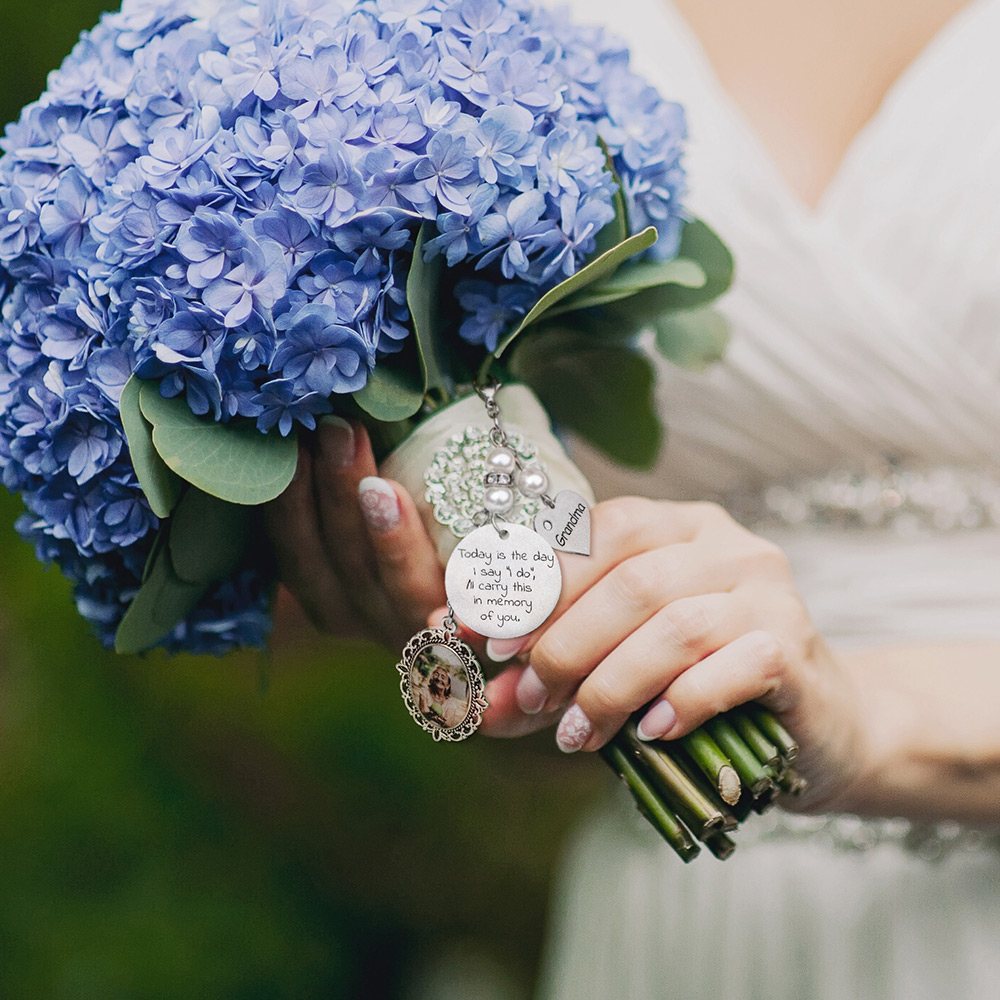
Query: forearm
x=931, y=718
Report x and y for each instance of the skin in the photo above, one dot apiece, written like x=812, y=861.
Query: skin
x=677, y=601
x=351, y=581
x=842, y=55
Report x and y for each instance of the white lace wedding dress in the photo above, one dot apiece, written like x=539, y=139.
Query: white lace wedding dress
x=857, y=416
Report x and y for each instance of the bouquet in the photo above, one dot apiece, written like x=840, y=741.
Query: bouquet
x=226, y=218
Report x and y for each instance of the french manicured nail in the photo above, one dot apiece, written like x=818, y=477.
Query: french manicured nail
x=336, y=440
x=501, y=650
x=379, y=504
x=574, y=729
x=531, y=692
x=657, y=722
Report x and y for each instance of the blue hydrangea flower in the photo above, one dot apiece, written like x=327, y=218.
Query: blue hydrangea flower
x=224, y=197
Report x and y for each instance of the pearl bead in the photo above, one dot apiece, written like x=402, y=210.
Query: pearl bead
x=498, y=499
x=532, y=481
x=501, y=460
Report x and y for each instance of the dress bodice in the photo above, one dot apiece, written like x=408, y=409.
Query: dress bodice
x=864, y=362
x=858, y=405
x=865, y=329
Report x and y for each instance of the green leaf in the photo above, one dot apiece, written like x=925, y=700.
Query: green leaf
x=207, y=537
x=602, y=391
x=232, y=461
x=698, y=245
x=597, y=269
x=162, y=601
x=616, y=231
x=390, y=395
x=692, y=339
x=154, y=553
x=630, y=279
x=161, y=486
x=423, y=296
x=637, y=275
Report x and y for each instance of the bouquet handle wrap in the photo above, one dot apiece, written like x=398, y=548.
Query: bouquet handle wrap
x=690, y=790
x=521, y=413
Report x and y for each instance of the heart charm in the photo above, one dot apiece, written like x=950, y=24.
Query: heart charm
x=566, y=526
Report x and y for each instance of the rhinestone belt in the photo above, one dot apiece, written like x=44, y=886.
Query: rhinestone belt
x=905, y=500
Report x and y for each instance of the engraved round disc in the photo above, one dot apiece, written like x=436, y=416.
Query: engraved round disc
x=503, y=586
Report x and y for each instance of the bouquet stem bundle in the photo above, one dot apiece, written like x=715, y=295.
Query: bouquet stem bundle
x=700, y=788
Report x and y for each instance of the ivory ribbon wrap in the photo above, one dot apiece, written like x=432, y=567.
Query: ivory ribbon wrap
x=520, y=411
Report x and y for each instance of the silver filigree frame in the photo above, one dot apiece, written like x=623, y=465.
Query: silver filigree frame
x=464, y=654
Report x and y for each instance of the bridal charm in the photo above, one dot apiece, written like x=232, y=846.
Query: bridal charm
x=503, y=579
x=442, y=683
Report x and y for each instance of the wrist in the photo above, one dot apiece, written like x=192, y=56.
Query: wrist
x=921, y=752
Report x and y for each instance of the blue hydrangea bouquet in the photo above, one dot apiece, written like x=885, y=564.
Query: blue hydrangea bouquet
x=226, y=218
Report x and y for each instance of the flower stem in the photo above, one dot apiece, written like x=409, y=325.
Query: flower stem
x=791, y=782
x=775, y=732
x=756, y=776
x=764, y=750
x=720, y=845
x=665, y=822
x=701, y=814
x=717, y=767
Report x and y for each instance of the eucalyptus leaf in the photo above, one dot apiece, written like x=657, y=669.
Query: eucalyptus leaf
x=616, y=231
x=595, y=271
x=390, y=395
x=232, y=461
x=207, y=537
x=423, y=296
x=693, y=338
x=602, y=391
x=161, y=486
x=630, y=279
x=160, y=604
x=637, y=275
x=699, y=245
x=154, y=553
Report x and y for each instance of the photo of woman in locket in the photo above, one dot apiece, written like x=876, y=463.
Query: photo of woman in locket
x=440, y=687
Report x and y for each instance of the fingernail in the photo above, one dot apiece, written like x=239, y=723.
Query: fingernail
x=379, y=504
x=574, y=729
x=336, y=440
x=500, y=650
x=657, y=722
x=531, y=693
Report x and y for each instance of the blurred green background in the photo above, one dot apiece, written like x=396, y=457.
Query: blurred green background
x=246, y=829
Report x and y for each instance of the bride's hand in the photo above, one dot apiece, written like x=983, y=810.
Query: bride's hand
x=681, y=609
x=350, y=546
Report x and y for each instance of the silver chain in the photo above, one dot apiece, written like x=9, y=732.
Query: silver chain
x=498, y=436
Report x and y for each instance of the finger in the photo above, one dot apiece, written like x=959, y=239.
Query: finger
x=635, y=590
x=647, y=662
x=292, y=524
x=343, y=457
x=751, y=668
x=620, y=530
x=405, y=558
x=503, y=718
